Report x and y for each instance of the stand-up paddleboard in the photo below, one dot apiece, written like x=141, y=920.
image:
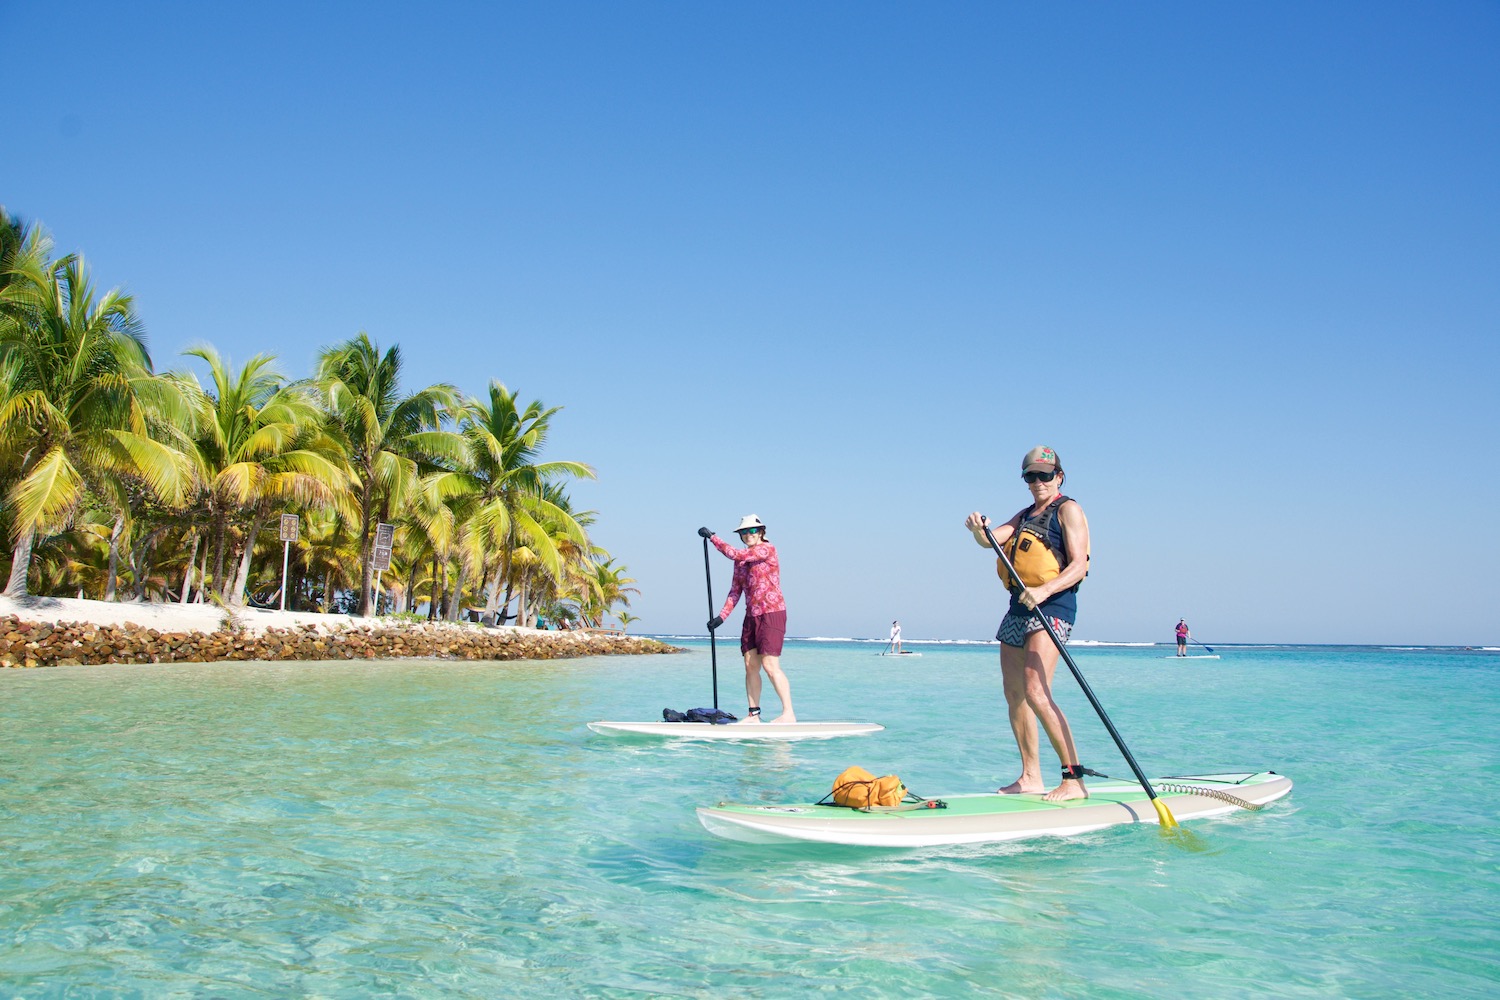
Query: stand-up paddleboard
x=1192, y=656
x=750, y=731
x=902, y=653
x=979, y=819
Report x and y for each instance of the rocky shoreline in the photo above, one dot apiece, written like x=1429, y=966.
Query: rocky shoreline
x=25, y=643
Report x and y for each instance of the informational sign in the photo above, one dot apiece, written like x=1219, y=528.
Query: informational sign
x=289, y=526
x=385, y=536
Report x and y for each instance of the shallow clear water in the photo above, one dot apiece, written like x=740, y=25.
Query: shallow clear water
x=453, y=829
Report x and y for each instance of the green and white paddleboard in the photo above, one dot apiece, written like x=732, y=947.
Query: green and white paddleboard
x=748, y=731
x=978, y=819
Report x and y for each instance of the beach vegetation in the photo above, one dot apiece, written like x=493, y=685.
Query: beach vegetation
x=81, y=408
x=391, y=437
x=122, y=482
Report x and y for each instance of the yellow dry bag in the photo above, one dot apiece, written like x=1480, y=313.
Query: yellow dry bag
x=859, y=789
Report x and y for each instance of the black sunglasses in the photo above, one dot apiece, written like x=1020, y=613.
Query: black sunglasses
x=1039, y=477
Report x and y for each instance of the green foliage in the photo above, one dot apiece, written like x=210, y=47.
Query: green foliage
x=112, y=473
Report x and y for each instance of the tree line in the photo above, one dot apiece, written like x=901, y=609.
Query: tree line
x=124, y=482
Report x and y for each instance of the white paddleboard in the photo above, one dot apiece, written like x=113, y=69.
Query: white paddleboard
x=902, y=653
x=1193, y=656
x=986, y=818
x=747, y=731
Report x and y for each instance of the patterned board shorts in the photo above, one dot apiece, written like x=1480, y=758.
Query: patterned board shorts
x=1014, y=628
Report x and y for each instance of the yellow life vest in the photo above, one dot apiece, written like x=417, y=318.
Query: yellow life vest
x=1030, y=551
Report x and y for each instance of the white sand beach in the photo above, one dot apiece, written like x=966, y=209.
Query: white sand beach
x=189, y=617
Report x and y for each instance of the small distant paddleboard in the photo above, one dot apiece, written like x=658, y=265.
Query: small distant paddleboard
x=902, y=653
x=1193, y=656
x=978, y=819
x=751, y=731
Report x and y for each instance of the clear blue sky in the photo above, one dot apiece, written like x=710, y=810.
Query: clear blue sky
x=841, y=264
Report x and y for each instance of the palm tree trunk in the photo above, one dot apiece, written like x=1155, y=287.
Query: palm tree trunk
x=140, y=562
x=20, y=564
x=456, y=609
x=202, y=577
x=187, y=574
x=237, y=597
x=492, y=593
x=366, y=547
x=510, y=594
x=114, y=557
x=222, y=531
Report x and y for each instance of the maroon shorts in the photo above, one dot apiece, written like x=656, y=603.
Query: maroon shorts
x=764, y=633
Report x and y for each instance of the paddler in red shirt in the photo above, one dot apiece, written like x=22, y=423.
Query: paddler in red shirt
x=757, y=574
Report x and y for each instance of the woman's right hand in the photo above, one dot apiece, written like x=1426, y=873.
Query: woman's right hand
x=975, y=521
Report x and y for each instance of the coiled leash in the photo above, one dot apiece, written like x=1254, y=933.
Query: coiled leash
x=1173, y=786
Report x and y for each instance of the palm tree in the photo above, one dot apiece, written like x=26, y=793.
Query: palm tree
x=328, y=551
x=79, y=404
x=391, y=438
x=514, y=500
x=264, y=445
x=607, y=587
x=13, y=233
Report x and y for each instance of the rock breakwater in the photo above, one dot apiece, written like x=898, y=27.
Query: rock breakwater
x=48, y=644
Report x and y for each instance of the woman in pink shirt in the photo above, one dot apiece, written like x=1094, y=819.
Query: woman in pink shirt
x=757, y=574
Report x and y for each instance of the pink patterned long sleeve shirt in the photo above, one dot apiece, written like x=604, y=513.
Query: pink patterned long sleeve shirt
x=757, y=574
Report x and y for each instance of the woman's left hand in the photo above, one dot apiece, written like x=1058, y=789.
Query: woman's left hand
x=1031, y=598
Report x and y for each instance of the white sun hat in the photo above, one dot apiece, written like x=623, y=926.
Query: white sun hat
x=750, y=521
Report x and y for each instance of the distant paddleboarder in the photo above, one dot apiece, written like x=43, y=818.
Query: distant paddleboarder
x=1183, y=633
x=757, y=574
x=896, y=637
x=1048, y=543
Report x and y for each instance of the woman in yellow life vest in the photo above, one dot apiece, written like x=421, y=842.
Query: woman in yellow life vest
x=1048, y=543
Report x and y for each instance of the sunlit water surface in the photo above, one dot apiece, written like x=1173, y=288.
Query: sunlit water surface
x=452, y=829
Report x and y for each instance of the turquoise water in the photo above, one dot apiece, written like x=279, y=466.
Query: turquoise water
x=452, y=829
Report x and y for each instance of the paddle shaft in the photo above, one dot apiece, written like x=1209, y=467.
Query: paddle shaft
x=1161, y=808
x=1205, y=645
x=713, y=652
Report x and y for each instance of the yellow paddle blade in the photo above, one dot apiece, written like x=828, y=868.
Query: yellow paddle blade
x=1168, y=821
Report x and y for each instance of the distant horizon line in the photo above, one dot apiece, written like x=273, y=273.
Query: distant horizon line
x=1109, y=643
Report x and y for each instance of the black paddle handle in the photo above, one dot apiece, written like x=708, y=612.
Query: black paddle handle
x=1077, y=674
x=713, y=652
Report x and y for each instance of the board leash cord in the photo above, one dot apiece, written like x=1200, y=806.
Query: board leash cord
x=1212, y=793
x=1173, y=786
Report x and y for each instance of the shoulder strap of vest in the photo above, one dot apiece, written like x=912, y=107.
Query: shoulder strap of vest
x=1054, y=516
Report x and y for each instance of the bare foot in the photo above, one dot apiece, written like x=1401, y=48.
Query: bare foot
x=1021, y=787
x=748, y=720
x=1071, y=788
x=784, y=719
